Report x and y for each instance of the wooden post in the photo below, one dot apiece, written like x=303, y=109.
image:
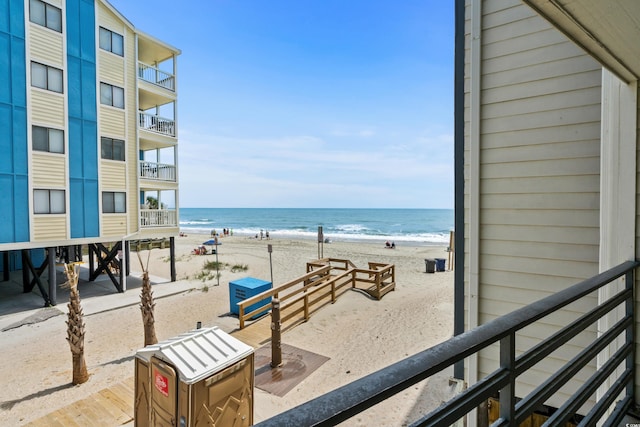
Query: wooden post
x=451, y=249
x=241, y=315
x=276, y=334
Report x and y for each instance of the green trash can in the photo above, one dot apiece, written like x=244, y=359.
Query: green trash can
x=430, y=265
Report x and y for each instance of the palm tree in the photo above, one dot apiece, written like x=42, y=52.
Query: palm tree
x=147, y=305
x=75, y=327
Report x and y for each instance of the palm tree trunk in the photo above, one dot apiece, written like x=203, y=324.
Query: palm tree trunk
x=75, y=327
x=146, y=307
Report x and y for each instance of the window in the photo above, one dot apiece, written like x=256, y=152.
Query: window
x=48, y=202
x=111, y=95
x=113, y=202
x=46, y=77
x=47, y=139
x=44, y=14
x=112, y=149
x=113, y=42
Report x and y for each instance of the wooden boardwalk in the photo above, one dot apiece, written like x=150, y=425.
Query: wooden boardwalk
x=112, y=406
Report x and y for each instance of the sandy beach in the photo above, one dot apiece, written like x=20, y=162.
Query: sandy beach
x=359, y=335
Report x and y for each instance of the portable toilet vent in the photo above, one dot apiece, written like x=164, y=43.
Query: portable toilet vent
x=202, y=377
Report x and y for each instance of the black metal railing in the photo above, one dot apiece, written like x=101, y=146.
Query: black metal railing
x=351, y=399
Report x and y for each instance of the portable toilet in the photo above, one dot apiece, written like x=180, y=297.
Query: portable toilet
x=202, y=377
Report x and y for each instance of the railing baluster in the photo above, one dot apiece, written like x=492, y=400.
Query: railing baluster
x=631, y=331
x=508, y=362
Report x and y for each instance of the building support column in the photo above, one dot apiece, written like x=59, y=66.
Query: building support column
x=617, y=194
x=6, y=268
x=473, y=251
x=172, y=255
x=53, y=285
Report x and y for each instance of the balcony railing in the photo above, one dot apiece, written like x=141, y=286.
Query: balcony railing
x=158, y=77
x=157, y=171
x=157, y=124
x=345, y=402
x=150, y=218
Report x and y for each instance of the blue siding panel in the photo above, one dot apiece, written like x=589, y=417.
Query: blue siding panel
x=21, y=196
x=87, y=15
x=91, y=205
x=7, y=234
x=5, y=68
x=73, y=29
x=77, y=207
x=6, y=140
x=18, y=53
x=14, y=182
x=74, y=90
x=20, y=151
x=5, y=14
x=83, y=113
x=89, y=96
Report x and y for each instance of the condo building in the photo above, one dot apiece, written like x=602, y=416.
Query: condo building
x=88, y=106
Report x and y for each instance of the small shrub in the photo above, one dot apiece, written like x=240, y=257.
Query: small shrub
x=203, y=276
x=214, y=265
x=239, y=267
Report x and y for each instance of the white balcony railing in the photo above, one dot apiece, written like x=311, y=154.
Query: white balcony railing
x=157, y=171
x=150, y=218
x=158, y=77
x=157, y=124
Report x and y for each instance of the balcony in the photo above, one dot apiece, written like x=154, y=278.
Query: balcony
x=156, y=124
x=155, y=76
x=157, y=171
x=615, y=376
x=154, y=218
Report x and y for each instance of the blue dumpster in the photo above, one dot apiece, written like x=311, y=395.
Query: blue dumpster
x=440, y=263
x=241, y=289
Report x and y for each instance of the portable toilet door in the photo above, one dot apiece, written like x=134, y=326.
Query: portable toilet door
x=164, y=394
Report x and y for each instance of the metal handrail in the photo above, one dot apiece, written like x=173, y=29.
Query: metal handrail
x=353, y=398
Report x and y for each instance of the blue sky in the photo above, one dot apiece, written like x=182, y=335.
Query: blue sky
x=310, y=103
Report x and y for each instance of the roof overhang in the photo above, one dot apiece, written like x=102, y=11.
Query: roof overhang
x=609, y=30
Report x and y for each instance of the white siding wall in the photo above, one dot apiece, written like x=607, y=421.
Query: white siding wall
x=49, y=227
x=48, y=109
x=112, y=174
x=49, y=170
x=114, y=225
x=538, y=175
x=46, y=45
x=132, y=132
x=114, y=70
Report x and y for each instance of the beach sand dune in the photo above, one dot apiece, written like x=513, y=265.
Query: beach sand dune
x=358, y=334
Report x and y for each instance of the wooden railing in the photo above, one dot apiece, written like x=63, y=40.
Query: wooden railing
x=157, y=124
x=319, y=287
x=156, y=76
x=157, y=171
x=158, y=218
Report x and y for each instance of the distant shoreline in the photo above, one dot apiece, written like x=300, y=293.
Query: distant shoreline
x=373, y=240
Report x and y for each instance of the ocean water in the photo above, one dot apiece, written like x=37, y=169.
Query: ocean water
x=418, y=226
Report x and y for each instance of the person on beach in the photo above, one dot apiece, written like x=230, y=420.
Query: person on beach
x=267, y=234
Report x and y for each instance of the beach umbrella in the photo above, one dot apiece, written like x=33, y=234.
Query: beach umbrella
x=211, y=242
